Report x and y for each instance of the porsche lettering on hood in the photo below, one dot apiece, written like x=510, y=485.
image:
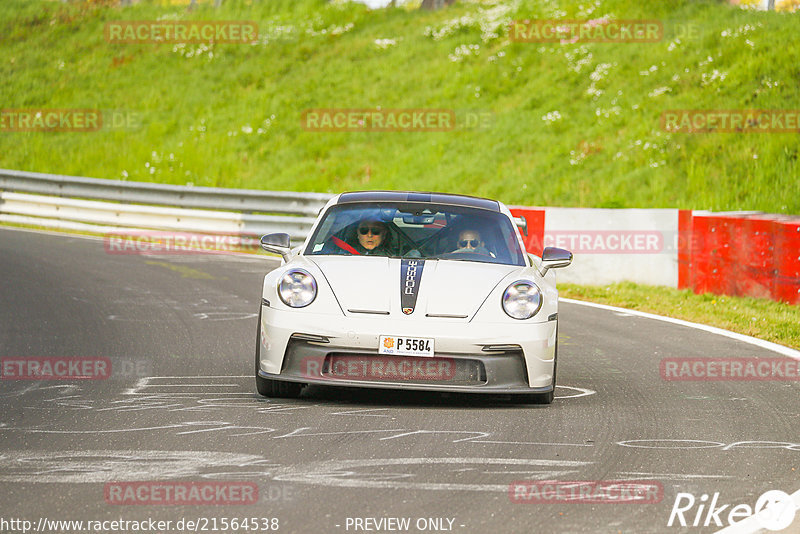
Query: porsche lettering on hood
x=454, y=289
x=410, y=275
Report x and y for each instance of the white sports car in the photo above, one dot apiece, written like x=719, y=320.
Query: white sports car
x=422, y=291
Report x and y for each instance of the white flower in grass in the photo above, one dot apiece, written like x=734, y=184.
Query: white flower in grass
x=715, y=76
x=576, y=158
x=594, y=91
x=339, y=30
x=385, y=43
x=551, y=117
x=769, y=83
x=659, y=91
x=600, y=71
x=169, y=16
x=607, y=112
x=463, y=51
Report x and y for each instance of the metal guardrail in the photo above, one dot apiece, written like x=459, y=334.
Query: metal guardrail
x=118, y=204
x=182, y=196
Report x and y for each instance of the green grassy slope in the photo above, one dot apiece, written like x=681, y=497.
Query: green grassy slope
x=230, y=116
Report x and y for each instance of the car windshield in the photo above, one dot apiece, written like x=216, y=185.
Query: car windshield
x=417, y=230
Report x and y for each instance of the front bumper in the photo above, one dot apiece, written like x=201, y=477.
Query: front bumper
x=460, y=364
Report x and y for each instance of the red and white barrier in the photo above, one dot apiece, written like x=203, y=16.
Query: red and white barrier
x=747, y=254
x=755, y=255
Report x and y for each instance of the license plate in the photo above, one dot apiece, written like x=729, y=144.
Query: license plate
x=406, y=346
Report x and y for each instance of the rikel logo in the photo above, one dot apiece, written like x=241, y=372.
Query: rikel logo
x=774, y=510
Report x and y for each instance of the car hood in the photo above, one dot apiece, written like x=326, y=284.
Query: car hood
x=375, y=286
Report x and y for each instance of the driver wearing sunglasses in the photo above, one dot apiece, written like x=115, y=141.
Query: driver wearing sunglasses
x=471, y=241
x=372, y=236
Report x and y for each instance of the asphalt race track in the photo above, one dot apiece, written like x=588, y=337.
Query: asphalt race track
x=179, y=331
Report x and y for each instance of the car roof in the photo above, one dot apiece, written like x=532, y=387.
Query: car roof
x=414, y=196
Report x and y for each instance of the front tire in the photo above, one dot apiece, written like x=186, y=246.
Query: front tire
x=273, y=388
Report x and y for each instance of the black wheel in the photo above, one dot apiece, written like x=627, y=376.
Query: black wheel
x=273, y=388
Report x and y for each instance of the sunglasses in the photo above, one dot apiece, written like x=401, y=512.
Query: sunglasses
x=374, y=230
x=472, y=243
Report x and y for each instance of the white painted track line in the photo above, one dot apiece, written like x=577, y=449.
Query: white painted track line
x=768, y=345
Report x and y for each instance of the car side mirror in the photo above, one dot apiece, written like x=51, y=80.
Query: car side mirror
x=553, y=258
x=522, y=224
x=277, y=244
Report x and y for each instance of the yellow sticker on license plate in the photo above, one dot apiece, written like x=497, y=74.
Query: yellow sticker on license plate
x=405, y=346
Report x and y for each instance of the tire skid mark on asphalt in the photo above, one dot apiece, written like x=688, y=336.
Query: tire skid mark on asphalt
x=419, y=432
x=140, y=397
x=181, y=381
x=184, y=271
x=362, y=413
x=689, y=444
x=298, y=432
x=637, y=475
x=345, y=473
x=200, y=427
x=534, y=443
x=94, y=466
x=99, y=466
x=218, y=306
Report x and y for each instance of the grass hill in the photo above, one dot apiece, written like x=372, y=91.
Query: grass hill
x=572, y=124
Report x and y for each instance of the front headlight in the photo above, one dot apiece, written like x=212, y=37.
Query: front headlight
x=297, y=288
x=522, y=300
